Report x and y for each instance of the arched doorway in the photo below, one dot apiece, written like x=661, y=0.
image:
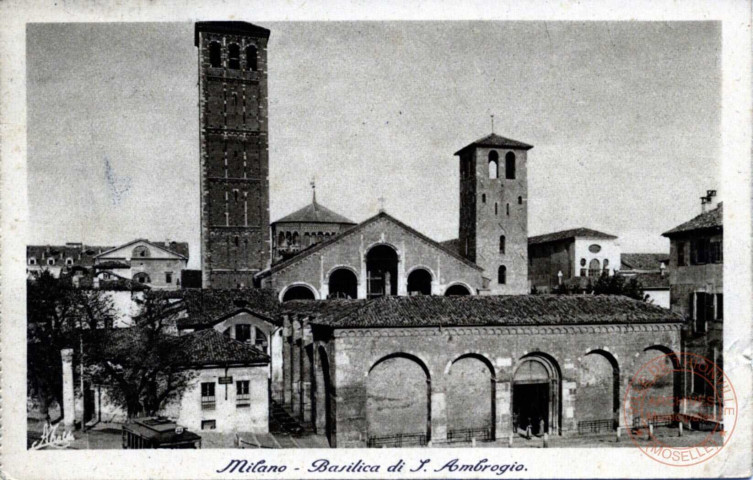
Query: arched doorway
x=381, y=271
x=327, y=393
x=419, y=282
x=594, y=268
x=470, y=397
x=536, y=395
x=343, y=284
x=649, y=391
x=398, y=396
x=298, y=292
x=457, y=290
x=598, y=395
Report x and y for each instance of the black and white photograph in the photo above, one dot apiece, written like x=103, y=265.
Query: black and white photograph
x=421, y=236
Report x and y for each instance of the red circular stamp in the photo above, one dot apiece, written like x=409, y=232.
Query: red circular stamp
x=680, y=409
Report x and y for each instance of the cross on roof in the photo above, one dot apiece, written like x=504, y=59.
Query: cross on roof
x=381, y=203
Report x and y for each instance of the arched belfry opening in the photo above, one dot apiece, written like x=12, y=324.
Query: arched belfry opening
x=381, y=271
x=343, y=284
x=419, y=282
x=536, y=395
x=298, y=292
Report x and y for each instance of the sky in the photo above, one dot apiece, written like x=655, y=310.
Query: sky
x=624, y=118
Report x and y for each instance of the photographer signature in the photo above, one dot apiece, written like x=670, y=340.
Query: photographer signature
x=50, y=438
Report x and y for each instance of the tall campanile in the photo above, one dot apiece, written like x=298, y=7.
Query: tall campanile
x=494, y=211
x=234, y=148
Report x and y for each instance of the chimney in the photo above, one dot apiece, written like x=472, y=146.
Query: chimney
x=707, y=200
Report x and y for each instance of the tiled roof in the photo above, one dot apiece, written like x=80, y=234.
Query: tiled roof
x=713, y=219
x=205, y=347
x=82, y=255
x=319, y=246
x=314, y=213
x=495, y=140
x=178, y=248
x=512, y=310
x=321, y=308
x=568, y=234
x=210, y=347
x=643, y=261
x=207, y=306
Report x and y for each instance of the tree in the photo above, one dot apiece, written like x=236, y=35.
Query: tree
x=141, y=366
x=57, y=313
x=618, y=285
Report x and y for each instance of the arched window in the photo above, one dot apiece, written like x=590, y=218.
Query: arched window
x=215, y=54
x=306, y=239
x=502, y=244
x=281, y=240
x=496, y=208
x=251, y=63
x=141, y=277
x=507, y=208
x=493, y=164
x=594, y=268
x=32, y=261
x=234, y=56
x=520, y=200
x=50, y=261
x=140, y=252
x=69, y=261
x=502, y=275
x=483, y=198
x=236, y=240
x=510, y=166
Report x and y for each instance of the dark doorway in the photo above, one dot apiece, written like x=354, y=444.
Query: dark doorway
x=536, y=396
x=419, y=282
x=298, y=293
x=343, y=284
x=531, y=406
x=88, y=403
x=381, y=269
x=456, y=290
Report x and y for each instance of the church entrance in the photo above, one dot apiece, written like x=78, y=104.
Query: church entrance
x=535, y=396
x=381, y=271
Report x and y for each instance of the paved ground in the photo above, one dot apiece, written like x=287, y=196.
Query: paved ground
x=108, y=436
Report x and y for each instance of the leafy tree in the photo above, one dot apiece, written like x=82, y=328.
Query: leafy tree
x=142, y=366
x=57, y=313
x=619, y=285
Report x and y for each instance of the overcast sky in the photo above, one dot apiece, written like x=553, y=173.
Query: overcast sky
x=624, y=119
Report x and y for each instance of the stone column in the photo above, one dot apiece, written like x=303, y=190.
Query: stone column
x=295, y=401
x=438, y=415
x=306, y=373
x=503, y=407
x=320, y=394
x=69, y=414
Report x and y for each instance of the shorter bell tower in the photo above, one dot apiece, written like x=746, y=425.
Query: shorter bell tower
x=494, y=211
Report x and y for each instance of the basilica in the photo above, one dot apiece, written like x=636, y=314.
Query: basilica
x=384, y=336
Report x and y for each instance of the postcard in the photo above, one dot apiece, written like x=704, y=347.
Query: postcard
x=338, y=240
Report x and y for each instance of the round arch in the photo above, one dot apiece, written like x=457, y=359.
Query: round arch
x=458, y=288
x=419, y=280
x=343, y=283
x=666, y=386
x=537, y=394
x=398, y=400
x=381, y=260
x=471, y=392
x=298, y=291
x=598, y=387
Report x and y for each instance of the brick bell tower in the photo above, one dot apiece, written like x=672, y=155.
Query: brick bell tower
x=234, y=151
x=494, y=212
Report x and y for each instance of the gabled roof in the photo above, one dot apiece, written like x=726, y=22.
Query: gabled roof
x=314, y=213
x=569, y=234
x=161, y=245
x=205, y=307
x=210, y=347
x=643, y=261
x=495, y=140
x=231, y=27
x=490, y=310
x=358, y=228
x=713, y=219
x=81, y=254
